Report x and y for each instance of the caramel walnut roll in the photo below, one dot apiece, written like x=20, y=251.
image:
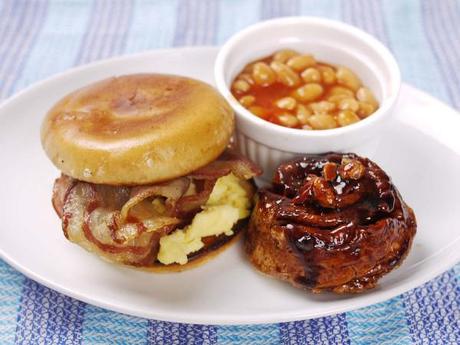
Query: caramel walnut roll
x=330, y=222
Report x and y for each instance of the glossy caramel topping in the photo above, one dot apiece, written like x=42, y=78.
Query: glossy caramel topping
x=342, y=216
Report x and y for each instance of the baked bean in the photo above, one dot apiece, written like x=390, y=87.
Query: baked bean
x=284, y=55
x=285, y=74
x=247, y=78
x=365, y=95
x=322, y=121
x=311, y=75
x=347, y=78
x=349, y=104
x=263, y=74
x=347, y=117
x=288, y=103
x=365, y=109
x=241, y=86
x=294, y=90
x=300, y=62
x=340, y=90
x=327, y=75
x=303, y=114
x=336, y=99
x=288, y=120
x=322, y=107
x=308, y=92
x=247, y=100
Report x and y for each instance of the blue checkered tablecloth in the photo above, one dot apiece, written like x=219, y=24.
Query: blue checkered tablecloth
x=42, y=37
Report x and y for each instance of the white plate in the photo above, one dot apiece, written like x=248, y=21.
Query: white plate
x=421, y=153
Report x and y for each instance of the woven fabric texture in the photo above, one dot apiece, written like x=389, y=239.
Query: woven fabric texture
x=39, y=38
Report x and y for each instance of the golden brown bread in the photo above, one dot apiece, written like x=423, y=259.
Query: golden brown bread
x=137, y=129
x=332, y=222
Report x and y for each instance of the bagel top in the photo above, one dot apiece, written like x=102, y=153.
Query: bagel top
x=137, y=129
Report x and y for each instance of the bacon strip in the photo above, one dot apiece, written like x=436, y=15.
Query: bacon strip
x=120, y=223
x=90, y=224
x=172, y=191
x=228, y=162
x=61, y=188
x=190, y=203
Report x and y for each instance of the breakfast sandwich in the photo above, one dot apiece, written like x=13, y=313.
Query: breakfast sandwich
x=147, y=177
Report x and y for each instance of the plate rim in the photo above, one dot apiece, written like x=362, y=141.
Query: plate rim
x=221, y=318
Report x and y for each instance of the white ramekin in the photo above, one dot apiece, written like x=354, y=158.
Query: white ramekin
x=329, y=41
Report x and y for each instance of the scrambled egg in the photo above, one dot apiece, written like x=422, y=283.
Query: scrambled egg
x=228, y=203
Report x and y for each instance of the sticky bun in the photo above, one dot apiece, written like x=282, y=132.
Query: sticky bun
x=332, y=222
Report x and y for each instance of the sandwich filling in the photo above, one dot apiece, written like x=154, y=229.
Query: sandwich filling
x=161, y=223
x=228, y=203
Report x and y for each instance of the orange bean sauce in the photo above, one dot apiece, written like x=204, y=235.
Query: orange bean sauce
x=266, y=97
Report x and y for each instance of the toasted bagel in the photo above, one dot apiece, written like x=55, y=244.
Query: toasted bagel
x=136, y=129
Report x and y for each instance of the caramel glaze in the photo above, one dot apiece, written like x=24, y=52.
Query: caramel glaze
x=344, y=223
